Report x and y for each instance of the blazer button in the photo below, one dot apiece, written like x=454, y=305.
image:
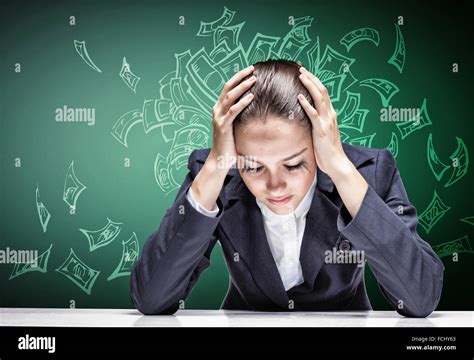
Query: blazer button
x=345, y=245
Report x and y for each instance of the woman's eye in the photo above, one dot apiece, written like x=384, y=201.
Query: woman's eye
x=290, y=168
x=253, y=170
x=294, y=167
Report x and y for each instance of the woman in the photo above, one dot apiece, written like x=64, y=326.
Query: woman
x=298, y=216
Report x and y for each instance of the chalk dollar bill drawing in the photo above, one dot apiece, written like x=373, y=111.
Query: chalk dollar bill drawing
x=363, y=140
x=209, y=28
x=128, y=77
x=460, y=245
x=43, y=213
x=40, y=264
x=78, y=272
x=433, y=213
x=398, y=57
x=350, y=116
x=393, y=145
x=358, y=35
x=386, y=89
x=81, y=49
x=130, y=250
x=416, y=123
x=438, y=168
x=103, y=236
x=72, y=187
x=124, y=124
x=468, y=220
x=186, y=140
x=460, y=162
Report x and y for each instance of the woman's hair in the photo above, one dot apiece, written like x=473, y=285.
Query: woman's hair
x=275, y=93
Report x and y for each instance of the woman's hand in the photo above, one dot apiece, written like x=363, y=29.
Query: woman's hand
x=209, y=181
x=224, y=112
x=330, y=156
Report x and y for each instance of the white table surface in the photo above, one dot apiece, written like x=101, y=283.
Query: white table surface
x=224, y=318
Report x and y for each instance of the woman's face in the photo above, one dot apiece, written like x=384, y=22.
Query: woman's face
x=278, y=162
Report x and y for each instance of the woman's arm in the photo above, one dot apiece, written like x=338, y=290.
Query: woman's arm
x=408, y=271
x=208, y=183
x=176, y=254
x=350, y=185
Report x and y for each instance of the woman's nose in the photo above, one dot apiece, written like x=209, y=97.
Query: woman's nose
x=276, y=184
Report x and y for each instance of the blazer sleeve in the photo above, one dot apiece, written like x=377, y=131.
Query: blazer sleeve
x=196, y=205
x=408, y=271
x=174, y=256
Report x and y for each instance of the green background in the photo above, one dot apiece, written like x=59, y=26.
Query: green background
x=39, y=37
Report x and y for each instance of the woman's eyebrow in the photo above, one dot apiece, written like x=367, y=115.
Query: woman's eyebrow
x=295, y=155
x=252, y=159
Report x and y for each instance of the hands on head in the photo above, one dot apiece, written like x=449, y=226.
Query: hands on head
x=325, y=132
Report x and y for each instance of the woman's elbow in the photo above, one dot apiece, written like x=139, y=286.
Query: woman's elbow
x=417, y=313
x=156, y=310
x=426, y=301
x=150, y=304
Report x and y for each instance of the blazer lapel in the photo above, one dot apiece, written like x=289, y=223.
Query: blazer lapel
x=244, y=228
x=320, y=233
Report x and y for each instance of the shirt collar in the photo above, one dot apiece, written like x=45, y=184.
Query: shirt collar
x=301, y=210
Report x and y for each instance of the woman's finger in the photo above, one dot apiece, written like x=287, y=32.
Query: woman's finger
x=322, y=89
x=315, y=94
x=234, y=80
x=235, y=109
x=311, y=112
x=236, y=92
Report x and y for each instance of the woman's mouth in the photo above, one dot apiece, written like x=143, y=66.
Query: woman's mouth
x=280, y=201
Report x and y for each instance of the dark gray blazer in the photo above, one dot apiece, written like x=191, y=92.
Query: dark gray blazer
x=409, y=273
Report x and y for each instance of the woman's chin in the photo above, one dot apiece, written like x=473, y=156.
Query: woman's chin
x=282, y=209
